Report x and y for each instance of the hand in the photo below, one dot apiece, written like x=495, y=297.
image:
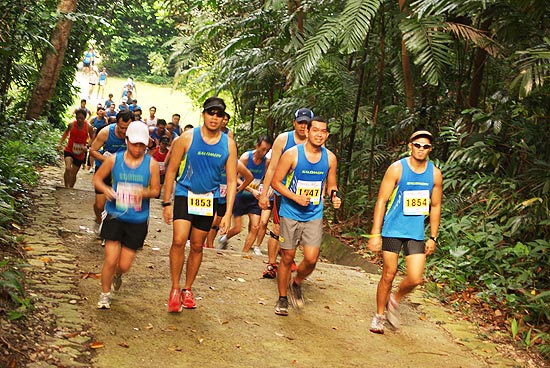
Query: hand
x=302, y=200
x=110, y=194
x=375, y=244
x=430, y=247
x=336, y=201
x=263, y=202
x=167, y=214
x=225, y=223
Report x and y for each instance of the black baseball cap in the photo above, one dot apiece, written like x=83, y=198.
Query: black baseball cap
x=303, y=114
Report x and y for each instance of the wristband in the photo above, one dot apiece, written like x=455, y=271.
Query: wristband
x=166, y=204
x=374, y=235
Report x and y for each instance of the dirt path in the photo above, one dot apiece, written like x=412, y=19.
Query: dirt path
x=234, y=324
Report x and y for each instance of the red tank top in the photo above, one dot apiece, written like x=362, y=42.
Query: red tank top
x=160, y=157
x=77, y=141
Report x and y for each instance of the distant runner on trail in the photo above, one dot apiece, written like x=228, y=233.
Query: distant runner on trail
x=89, y=60
x=135, y=179
x=282, y=143
x=74, y=153
x=410, y=190
x=198, y=157
x=302, y=176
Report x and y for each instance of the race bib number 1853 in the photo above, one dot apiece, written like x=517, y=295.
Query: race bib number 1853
x=200, y=204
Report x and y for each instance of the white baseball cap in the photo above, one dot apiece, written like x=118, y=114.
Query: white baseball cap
x=138, y=132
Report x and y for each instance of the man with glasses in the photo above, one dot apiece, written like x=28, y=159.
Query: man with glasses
x=282, y=143
x=198, y=158
x=106, y=143
x=410, y=190
x=310, y=171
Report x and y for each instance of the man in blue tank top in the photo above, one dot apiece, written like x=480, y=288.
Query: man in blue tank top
x=304, y=173
x=246, y=202
x=135, y=179
x=197, y=160
x=410, y=190
x=109, y=140
x=282, y=143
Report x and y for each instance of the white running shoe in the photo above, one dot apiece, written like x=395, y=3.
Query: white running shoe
x=257, y=251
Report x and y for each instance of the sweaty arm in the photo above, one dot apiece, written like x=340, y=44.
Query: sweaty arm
x=246, y=174
x=390, y=180
x=64, y=136
x=276, y=152
x=331, y=182
x=435, y=210
x=288, y=162
x=178, y=149
x=100, y=175
x=231, y=178
x=97, y=143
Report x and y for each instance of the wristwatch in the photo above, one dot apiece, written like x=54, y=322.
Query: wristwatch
x=434, y=238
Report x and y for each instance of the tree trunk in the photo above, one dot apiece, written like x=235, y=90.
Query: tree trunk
x=347, y=166
x=477, y=76
x=376, y=109
x=406, y=66
x=53, y=61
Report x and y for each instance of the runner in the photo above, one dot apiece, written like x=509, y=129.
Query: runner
x=102, y=82
x=201, y=154
x=246, y=201
x=307, y=168
x=89, y=60
x=159, y=153
x=92, y=81
x=135, y=179
x=112, y=140
x=283, y=142
x=74, y=153
x=413, y=188
x=224, y=127
x=152, y=119
x=246, y=178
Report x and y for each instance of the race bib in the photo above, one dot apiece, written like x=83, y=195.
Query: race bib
x=78, y=148
x=223, y=190
x=312, y=189
x=161, y=167
x=128, y=195
x=416, y=202
x=200, y=204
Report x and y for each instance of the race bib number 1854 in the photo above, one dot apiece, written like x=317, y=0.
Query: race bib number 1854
x=416, y=202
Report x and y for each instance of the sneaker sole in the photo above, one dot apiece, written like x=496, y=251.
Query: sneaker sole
x=380, y=332
x=281, y=313
x=103, y=306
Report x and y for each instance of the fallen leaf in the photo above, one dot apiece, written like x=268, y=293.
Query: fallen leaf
x=45, y=259
x=175, y=348
x=123, y=344
x=16, y=226
x=170, y=328
x=91, y=275
x=200, y=340
x=240, y=279
x=247, y=257
x=149, y=327
x=71, y=335
x=212, y=288
x=334, y=328
x=97, y=345
x=320, y=279
x=422, y=318
x=251, y=323
x=28, y=249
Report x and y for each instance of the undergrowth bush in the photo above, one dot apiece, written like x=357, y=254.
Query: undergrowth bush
x=24, y=146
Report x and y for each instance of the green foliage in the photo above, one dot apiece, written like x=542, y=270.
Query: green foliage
x=10, y=284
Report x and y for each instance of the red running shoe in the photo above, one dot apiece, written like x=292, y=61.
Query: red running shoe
x=188, y=299
x=174, y=302
x=271, y=271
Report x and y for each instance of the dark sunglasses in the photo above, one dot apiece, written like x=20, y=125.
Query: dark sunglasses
x=218, y=113
x=420, y=145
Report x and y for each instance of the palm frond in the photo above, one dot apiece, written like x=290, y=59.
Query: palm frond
x=534, y=68
x=428, y=41
x=476, y=36
x=348, y=30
